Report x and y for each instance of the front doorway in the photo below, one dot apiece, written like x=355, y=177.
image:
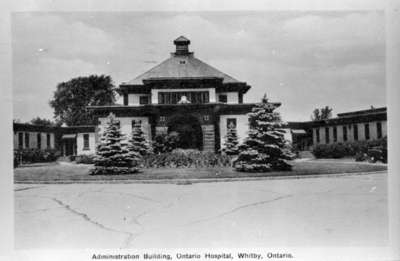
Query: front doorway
x=188, y=129
x=68, y=145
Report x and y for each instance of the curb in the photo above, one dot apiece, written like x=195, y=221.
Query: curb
x=206, y=180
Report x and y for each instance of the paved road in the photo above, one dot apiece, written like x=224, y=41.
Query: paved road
x=335, y=211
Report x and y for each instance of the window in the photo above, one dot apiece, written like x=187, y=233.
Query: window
x=206, y=117
x=355, y=132
x=175, y=97
x=48, y=140
x=134, y=122
x=39, y=140
x=327, y=135
x=144, y=100
x=366, y=131
x=240, y=97
x=317, y=135
x=125, y=99
x=86, y=141
x=334, y=134
x=162, y=119
x=20, y=140
x=231, y=122
x=26, y=139
x=223, y=98
x=344, y=133
x=379, y=130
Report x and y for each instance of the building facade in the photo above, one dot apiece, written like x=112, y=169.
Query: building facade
x=184, y=95
x=75, y=140
x=362, y=125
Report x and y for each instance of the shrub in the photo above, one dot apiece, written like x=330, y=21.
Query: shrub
x=165, y=143
x=180, y=158
x=35, y=155
x=357, y=149
x=85, y=159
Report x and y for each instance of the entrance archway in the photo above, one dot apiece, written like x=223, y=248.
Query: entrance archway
x=189, y=131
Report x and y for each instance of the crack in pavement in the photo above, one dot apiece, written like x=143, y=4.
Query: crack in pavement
x=238, y=208
x=26, y=188
x=136, y=218
x=130, y=235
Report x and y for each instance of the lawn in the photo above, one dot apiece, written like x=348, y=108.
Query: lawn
x=68, y=172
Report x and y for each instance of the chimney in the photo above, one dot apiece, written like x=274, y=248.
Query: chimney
x=182, y=45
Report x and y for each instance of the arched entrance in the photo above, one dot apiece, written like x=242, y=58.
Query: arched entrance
x=189, y=131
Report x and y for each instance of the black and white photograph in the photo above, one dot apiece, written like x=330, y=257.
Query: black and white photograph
x=206, y=134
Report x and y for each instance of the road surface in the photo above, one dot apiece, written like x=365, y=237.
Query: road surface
x=325, y=211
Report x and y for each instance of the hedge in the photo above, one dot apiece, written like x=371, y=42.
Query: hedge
x=180, y=158
x=347, y=149
x=35, y=155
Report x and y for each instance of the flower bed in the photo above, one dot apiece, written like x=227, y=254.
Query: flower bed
x=186, y=159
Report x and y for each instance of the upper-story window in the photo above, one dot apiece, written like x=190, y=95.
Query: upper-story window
x=144, y=100
x=126, y=99
x=175, y=97
x=240, y=97
x=223, y=98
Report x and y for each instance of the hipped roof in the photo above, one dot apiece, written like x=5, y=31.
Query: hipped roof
x=182, y=67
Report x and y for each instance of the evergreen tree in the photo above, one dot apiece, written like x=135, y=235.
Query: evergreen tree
x=264, y=148
x=231, y=145
x=138, y=142
x=112, y=155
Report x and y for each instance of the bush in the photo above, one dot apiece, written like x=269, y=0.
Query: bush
x=35, y=155
x=357, y=149
x=85, y=159
x=165, y=143
x=180, y=158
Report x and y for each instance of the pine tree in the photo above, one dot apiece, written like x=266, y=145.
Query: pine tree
x=231, y=145
x=112, y=155
x=138, y=142
x=264, y=148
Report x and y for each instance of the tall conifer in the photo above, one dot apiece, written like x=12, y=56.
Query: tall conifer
x=112, y=154
x=264, y=148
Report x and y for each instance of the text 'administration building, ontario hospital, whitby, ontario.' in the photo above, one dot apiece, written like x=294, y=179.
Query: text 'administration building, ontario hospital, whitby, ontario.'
x=185, y=95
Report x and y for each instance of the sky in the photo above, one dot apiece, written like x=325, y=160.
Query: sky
x=303, y=59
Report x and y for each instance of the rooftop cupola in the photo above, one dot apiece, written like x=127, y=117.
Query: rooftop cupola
x=182, y=45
